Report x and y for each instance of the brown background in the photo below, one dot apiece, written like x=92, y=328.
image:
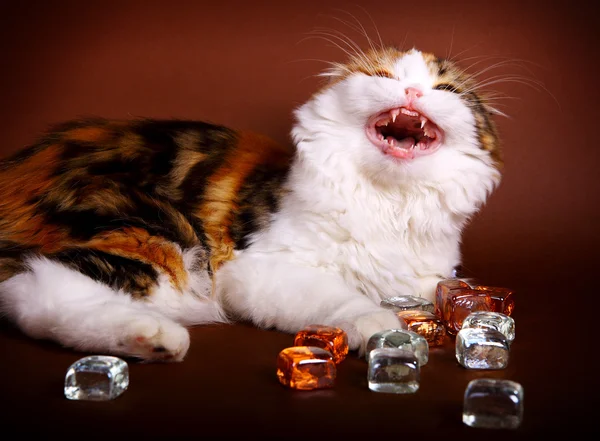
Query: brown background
x=247, y=65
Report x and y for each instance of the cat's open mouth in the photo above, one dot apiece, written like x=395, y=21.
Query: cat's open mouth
x=404, y=133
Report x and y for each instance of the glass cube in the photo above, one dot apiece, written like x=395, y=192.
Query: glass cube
x=455, y=300
x=393, y=370
x=493, y=404
x=482, y=349
x=96, y=378
x=403, y=303
x=442, y=295
x=426, y=324
x=502, y=298
x=332, y=339
x=491, y=320
x=400, y=339
x=306, y=368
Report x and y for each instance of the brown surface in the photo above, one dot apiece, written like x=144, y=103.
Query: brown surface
x=244, y=65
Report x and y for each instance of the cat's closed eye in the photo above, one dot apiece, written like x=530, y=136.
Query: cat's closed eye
x=447, y=87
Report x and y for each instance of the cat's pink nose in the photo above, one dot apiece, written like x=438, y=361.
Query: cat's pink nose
x=412, y=93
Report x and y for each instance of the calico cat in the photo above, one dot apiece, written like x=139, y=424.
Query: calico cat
x=117, y=235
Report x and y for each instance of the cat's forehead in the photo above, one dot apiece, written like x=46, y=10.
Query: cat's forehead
x=414, y=65
x=411, y=65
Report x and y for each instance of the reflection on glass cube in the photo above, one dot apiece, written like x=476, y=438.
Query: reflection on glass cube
x=400, y=339
x=96, y=378
x=482, y=349
x=332, y=339
x=306, y=368
x=493, y=404
x=491, y=320
x=393, y=370
x=403, y=303
x=426, y=324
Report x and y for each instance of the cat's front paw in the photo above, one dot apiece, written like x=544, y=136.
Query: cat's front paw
x=153, y=338
x=361, y=328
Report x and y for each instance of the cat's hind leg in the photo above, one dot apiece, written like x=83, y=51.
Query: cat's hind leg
x=52, y=301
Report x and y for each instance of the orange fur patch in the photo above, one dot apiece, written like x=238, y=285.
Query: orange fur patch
x=220, y=197
x=88, y=134
x=18, y=186
x=136, y=243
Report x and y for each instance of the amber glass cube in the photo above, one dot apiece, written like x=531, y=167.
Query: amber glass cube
x=306, y=368
x=501, y=297
x=463, y=302
x=425, y=324
x=442, y=295
x=329, y=338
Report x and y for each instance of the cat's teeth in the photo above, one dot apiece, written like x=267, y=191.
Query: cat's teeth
x=430, y=134
x=409, y=112
x=394, y=113
x=423, y=121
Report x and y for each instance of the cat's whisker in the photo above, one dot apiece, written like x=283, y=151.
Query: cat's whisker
x=332, y=64
x=519, y=81
x=494, y=66
x=381, y=45
x=455, y=57
x=360, y=53
x=353, y=52
x=498, y=79
x=361, y=30
x=451, y=42
x=471, y=77
x=503, y=63
x=341, y=36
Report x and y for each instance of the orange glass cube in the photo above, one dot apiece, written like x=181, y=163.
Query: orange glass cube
x=455, y=302
x=501, y=297
x=425, y=324
x=306, y=368
x=329, y=338
x=442, y=294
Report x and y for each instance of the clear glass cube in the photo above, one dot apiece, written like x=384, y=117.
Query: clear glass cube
x=492, y=320
x=482, y=349
x=403, y=303
x=96, y=378
x=393, y=370
x=493, y=404
x=400, y=339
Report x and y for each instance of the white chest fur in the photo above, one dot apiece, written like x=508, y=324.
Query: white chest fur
x=381, y=242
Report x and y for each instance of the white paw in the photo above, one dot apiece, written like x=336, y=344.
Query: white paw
x=155, y=338
x=364, y=326
x=427, y=286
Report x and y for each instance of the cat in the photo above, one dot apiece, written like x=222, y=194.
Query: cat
x=117, y=235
